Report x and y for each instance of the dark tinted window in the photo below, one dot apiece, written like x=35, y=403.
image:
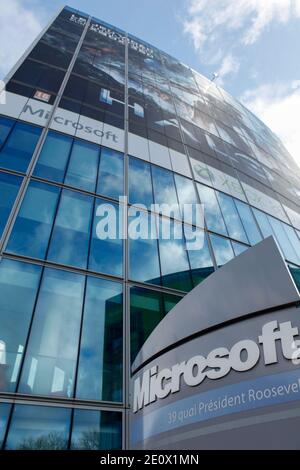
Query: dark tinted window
x=38, y=428
x=101, y=348
x=96, y=430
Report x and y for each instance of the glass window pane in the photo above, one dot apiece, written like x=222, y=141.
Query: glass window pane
x=143, y=252
x=32, y=229
x=111, y=174
x=187, y=198
x=231, y=217
x=51, y=356
x=9, y=187
x=5, y=128
x=39, y=428
x=83, y=166
x=212, y=214
x=185, y=190
x=283, y=240
x=101, y=349
x=96, y=430
x=294, y=241
x=4, y=414
x=175, y=268
x=18, y=149
x=140, y=184
x=106, y=254
x=263, y=223
x=54, y=157
x=147, y=309
x=39, y=75
x=164, y=191
x=238, y=248
x=222, y=249
x=200, y=259
x=248, y=222
x=70, y=238
x=295, y=272
x=18, y=288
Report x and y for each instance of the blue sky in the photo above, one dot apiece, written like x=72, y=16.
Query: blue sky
x=252, y=44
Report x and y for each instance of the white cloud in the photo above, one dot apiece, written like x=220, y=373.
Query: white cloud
x=204, y=17
x=278, y=106
x=209, y=23
x=228, y=66
x=20, y=23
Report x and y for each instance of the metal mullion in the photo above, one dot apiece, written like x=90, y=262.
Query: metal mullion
x=156, y=288
x=98, y=275
x=240, y=218
x=61, y=267
x=46, y=400
x=68, y=162
x=57, y=207
x=72, y=188
x=126, y=294
x=71, y=422
x=80, y=335
x=7, y=171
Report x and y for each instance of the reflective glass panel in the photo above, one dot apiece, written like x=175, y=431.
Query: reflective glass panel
x=212, y=213
x=187, y=199
x=295, y=272
x=222, y=249
x=147, y=309
x=51, y=356
x=96, y=430
x=83, y=166
x=32, y=228
x=101, y=349
x=283, y=240
x=249, y=222
x=5, y=128
x=111, y=174
x=140, y=184
x=264, y=224
x=164, y=191
x=18, y=287
x=294, y=241
x=143, y=249
x=175, y=268
x=106, y=254
x=238, y=248
x=9, y=187
x=54, y=157
x=18, y=148
x=231, y=217
x=199, y=254
x=70, y=238
x=39, y=428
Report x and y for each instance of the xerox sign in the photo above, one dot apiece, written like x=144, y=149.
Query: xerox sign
x=223, y=371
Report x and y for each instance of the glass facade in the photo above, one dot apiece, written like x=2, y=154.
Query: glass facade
x=95, y=146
